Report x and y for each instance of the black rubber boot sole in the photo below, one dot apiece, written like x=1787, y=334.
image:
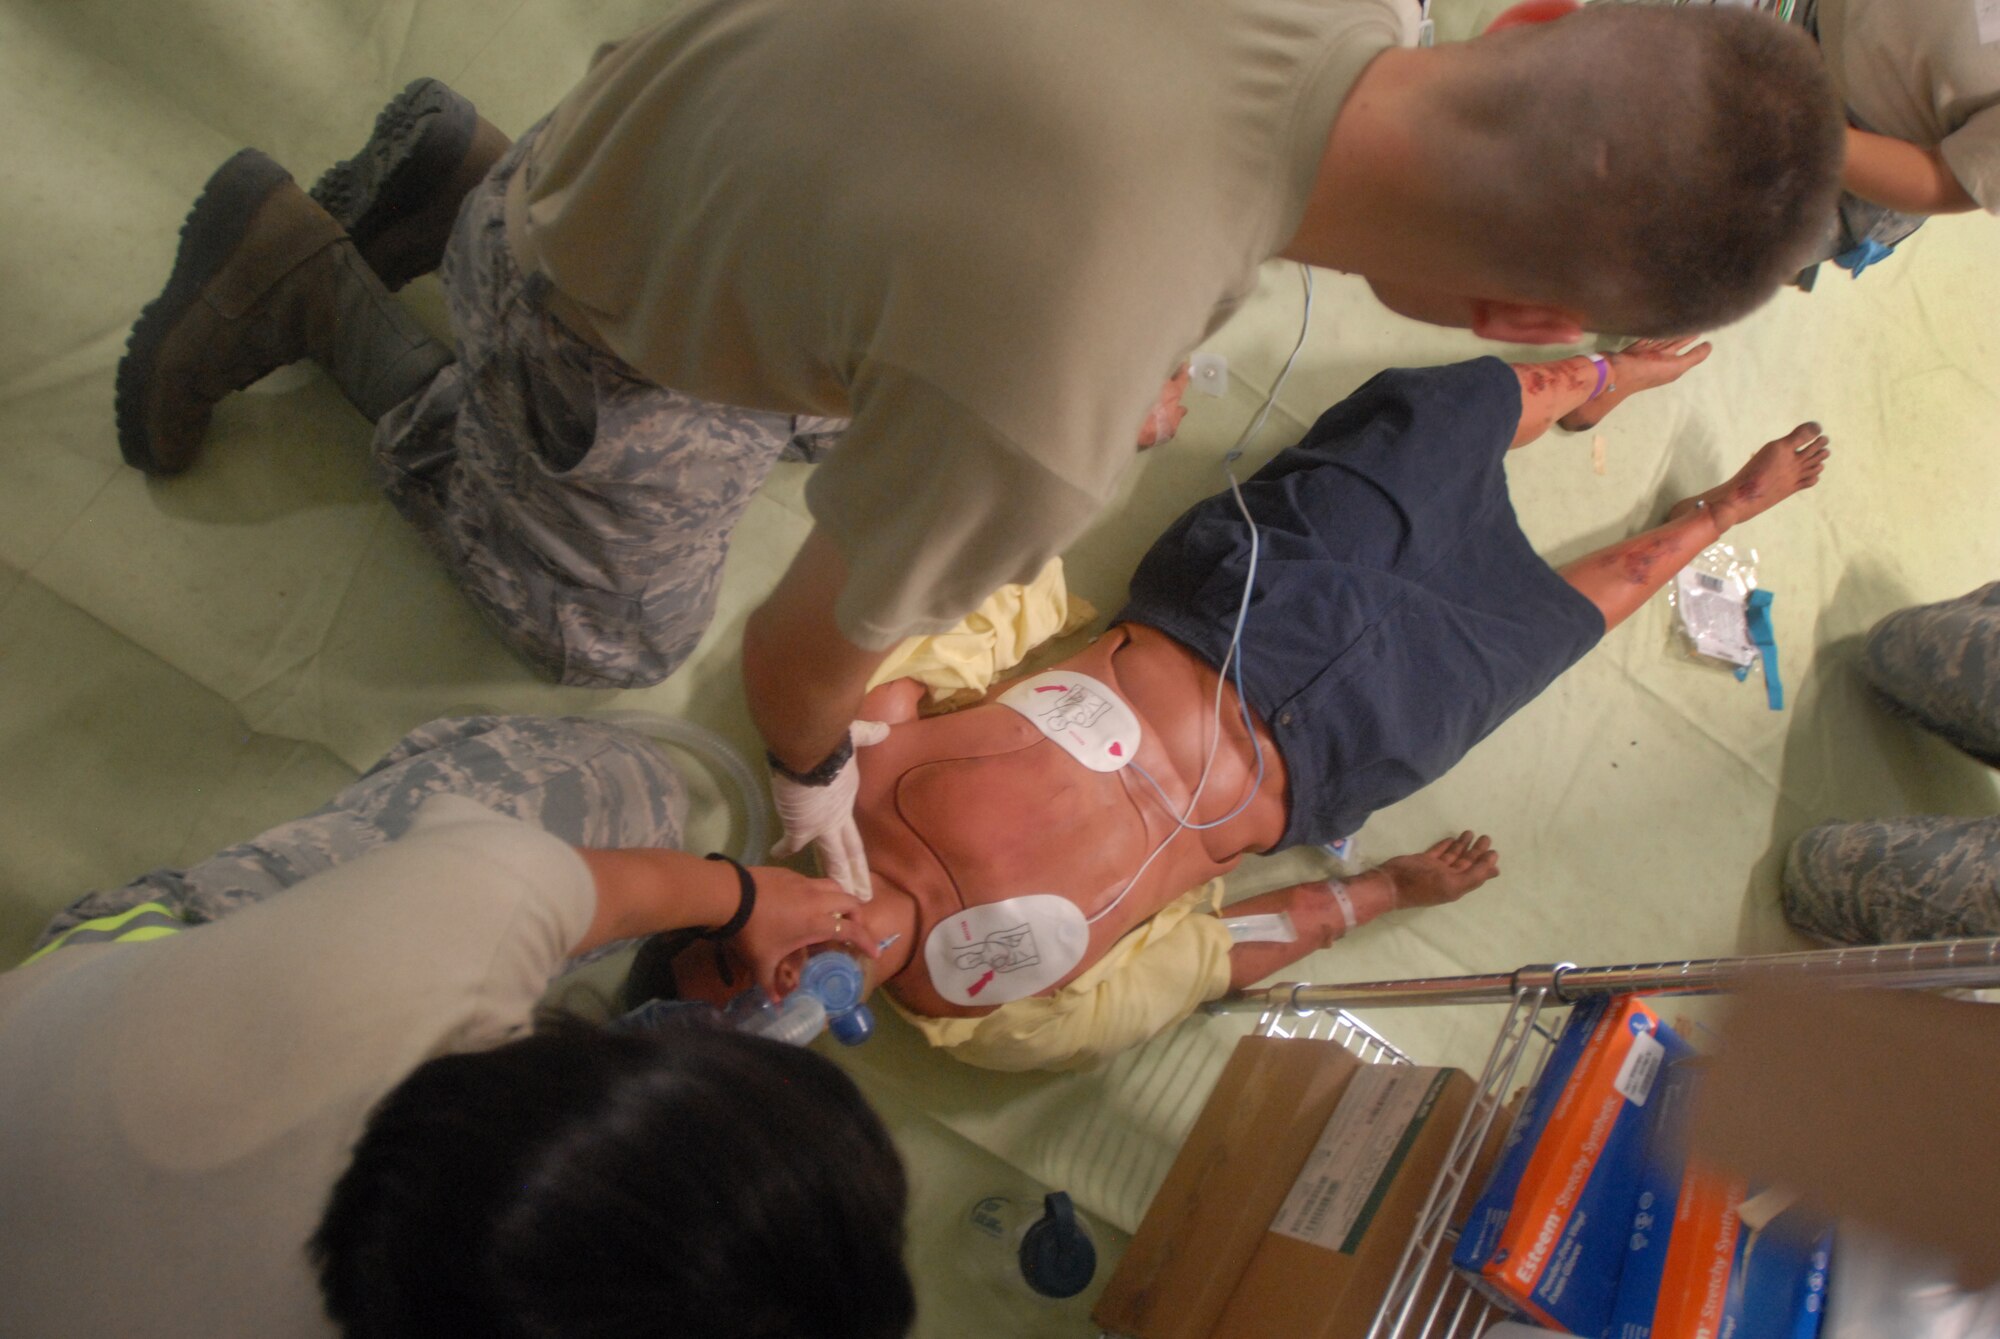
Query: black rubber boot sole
x=214, y=227
x=419, y=140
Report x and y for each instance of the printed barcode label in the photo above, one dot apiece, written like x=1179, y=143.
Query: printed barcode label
x=1335, y=1195
x=1322, y=1203
x=1641, y=1067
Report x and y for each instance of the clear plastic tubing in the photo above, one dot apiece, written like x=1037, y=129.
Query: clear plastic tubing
x=716, y=751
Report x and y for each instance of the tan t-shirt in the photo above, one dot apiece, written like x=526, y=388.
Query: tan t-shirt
x=1925, y=71
x=987, y=231
x=174, y=1113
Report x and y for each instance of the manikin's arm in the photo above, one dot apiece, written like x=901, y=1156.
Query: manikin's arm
x=1444, y=873
x=1902, y=175
x=1315, y=914
x=645, y=891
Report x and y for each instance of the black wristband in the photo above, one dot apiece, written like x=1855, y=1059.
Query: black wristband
x=822, y=775
x=746, y=903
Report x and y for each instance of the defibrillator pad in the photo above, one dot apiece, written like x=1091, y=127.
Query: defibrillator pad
x=1003, y=951
x=1083, y=715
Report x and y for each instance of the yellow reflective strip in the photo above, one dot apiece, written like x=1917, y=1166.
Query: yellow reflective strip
x=105, y=929
x=146, y=932
x=106, y=923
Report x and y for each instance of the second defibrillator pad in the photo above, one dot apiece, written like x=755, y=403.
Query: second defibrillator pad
x=1002, y=951
x=1083, y=715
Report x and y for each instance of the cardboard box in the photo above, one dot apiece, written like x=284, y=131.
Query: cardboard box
x=1232, y=1174
x=1547, y=1237
x=1325, y=1264
x=1707, y=1257
x=1880, y=1103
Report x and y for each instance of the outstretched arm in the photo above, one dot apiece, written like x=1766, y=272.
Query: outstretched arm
x=1444, y=873
x=646, y=891
x=1902, y=175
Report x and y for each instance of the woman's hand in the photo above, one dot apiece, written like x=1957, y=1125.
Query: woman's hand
x=796, y=912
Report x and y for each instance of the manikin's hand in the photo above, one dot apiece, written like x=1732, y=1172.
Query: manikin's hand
x=1163, y=420
x=823, y=817
x=794, y=913
x=1446, y=872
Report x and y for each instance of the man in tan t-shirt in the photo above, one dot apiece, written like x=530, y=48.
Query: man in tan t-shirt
x=982, y=233
x=1920, y=83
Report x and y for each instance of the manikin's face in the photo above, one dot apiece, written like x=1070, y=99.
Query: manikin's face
x=1163, y=420
x=715, y=973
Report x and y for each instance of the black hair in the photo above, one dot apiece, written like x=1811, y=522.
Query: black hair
x=579, y=1182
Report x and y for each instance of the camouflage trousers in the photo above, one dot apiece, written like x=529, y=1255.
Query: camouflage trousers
x=1895, y=880
x=585, y=510
x=587, y=782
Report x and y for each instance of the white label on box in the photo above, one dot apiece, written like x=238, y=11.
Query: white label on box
x=1641, y=1067
x=1364, y=1142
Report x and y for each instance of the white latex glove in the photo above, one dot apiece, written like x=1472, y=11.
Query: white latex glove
x=823, y=817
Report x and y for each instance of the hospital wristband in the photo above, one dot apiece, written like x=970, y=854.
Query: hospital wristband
x=1604, y=381
x=1338, y=891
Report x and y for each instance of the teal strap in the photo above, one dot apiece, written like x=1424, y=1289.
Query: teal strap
x=1757, y=617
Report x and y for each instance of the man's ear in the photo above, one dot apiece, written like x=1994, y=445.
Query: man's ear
x=1521, y=323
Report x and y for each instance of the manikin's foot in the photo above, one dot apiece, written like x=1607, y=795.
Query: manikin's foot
x=399, y=197
x=1789, y=465
x=1444, y=873
x=1647, y=364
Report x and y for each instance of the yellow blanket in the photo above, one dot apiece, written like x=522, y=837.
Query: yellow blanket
x=1149, y=980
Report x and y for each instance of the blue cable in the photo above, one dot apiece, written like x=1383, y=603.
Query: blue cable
x=1232, y=659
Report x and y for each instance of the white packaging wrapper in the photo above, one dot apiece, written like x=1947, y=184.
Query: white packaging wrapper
x=1709, y=597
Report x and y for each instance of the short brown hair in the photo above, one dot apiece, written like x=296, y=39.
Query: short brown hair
x=1662, y=169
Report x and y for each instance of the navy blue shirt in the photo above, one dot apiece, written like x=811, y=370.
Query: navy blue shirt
x=1399, y=613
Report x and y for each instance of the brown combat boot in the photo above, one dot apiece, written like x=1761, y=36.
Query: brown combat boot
x=399, y=197
x=263, y=277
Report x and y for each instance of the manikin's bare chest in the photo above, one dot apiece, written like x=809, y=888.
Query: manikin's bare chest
x=982, y=813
